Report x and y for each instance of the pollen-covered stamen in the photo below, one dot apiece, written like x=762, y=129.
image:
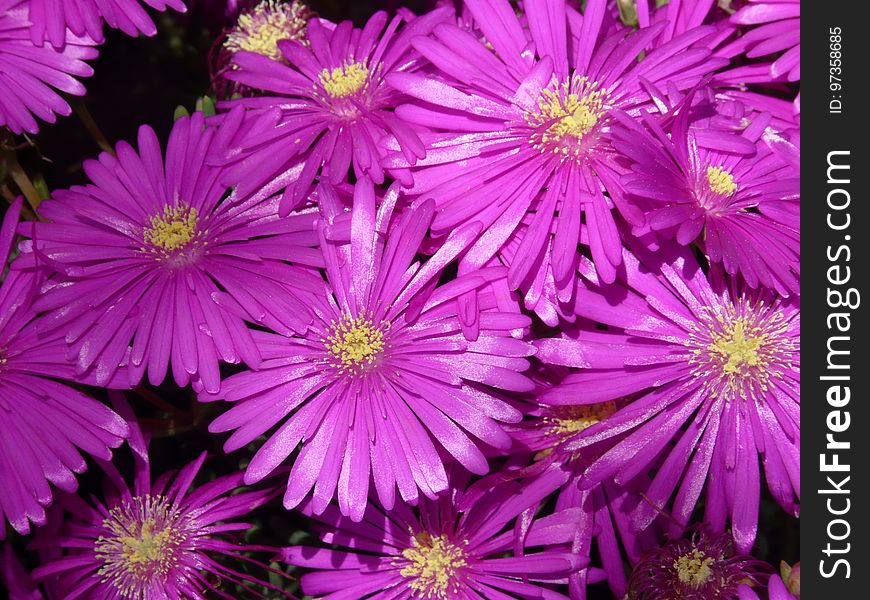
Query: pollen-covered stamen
x=568, y=420
x=433, y=565
x=738, y=348
x=355, y=345
x=344, y=81
x=720, y=181
x=693, y=568
x=261, y=28
x=173, y=230
x=701, y=568
x=141, y=545
x=565, y=115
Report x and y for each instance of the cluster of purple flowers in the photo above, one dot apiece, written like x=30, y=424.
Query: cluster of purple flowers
x=511, y=291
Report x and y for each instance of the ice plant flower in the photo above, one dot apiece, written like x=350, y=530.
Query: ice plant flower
x=778, y=29
x=326, y=106
x=156, y=539
x=155, y=260
x=439, y=550
x=46, y=424
x=391, y=377
x=603, y=512
x=52, y=18
x=520, y=122
x=263, y=26
x=770, y=32
x=701, y=567
x=717, y=369
x=32, y=75
x=258, y=29
x=699, y=185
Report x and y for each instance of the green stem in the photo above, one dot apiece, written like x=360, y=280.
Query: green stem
x=91, y=125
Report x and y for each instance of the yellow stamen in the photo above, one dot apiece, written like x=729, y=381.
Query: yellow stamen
x=433, y=563
x=141, y=546
x=693, y=568
x=720, y=181
x=344, y=81
x=566, y=114
x=739, y=346
x=569, y=420
x=259, y=30
x=172, y=230
x=355, y=344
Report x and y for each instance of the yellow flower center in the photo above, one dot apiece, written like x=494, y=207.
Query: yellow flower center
x=344, y=81
x=693, y=568
x=720, y=181
x=259, y=30
x=355, y=344
x=433, y=565
x=568, y=420
x=739, y=347
x=565, y=115
x=141, y=546
x=172, y=230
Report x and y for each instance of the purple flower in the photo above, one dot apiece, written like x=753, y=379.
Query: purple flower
x=778, y=30
x=258, y=29
x=52, y=18
x=716, y=366
x=603, y=511
x=261, y=28
x=153, y=540
x=394, y=369
x=522, y=120
x=45, y=424
x=452, y=547
x=733, y=195
x=330, y=106
x=30, y=74
x=156, y=261
x=702, y=567
x=777, y=33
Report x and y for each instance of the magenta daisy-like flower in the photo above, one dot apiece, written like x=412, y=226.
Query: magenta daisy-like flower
x=153, y=540
x=391, y=373
x=521, y=120
x=702, y=567
x=700, y=185
x=603, y=511
x=32, y=75
x=258, y=29
x=778, y=29
x=155, y=260
x=327, y=106
x=774, y=30
x=717, y=369
x=52, y=18
x=46, y=424
x=450, y=548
